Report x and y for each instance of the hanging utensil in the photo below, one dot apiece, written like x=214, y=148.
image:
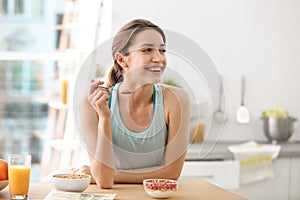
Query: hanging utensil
x=219, y=115
x=242, y=113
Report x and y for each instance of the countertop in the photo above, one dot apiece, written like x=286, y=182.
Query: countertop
x=188, y=189
x=219, y=151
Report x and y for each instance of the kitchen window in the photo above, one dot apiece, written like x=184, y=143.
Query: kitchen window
x=32, y=52
x=20, y=9
x=28, y=74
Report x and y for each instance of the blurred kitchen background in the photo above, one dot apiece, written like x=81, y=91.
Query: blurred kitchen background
x=43, y=44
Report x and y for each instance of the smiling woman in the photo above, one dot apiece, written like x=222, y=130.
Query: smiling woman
x=132, y=136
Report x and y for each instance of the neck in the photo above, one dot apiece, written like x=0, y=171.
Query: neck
x=139, y=95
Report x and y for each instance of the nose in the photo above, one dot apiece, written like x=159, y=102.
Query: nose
x=158, y=56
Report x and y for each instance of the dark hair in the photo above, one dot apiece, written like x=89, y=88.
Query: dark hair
x=121, y=43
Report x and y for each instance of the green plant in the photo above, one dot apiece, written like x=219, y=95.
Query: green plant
x=170, y=81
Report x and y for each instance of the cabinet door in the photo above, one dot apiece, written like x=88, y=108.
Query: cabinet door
x=224, y=174
x=295, y=179
x=275, y=189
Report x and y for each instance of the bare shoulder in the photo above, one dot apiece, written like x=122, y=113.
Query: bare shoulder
x=176, y=103
x=174, y=95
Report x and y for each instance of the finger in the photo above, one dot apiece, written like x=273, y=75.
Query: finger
x=100, y=82
x=101, y=104
x=94, y=85
x=105, y=89
x=91, y=97
x=100, y=91
x=101, y=95
x=74, y=170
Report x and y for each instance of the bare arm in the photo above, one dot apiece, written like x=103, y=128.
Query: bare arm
x=97, y=130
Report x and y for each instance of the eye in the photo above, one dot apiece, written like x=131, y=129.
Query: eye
x=146, y=50
x=162, y=51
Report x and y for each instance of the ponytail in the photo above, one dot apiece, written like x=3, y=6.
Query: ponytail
x=115, y=75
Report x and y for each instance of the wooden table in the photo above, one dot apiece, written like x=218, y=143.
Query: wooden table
x=193, y=189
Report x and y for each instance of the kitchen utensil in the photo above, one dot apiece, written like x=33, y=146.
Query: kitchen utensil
x=278, y=130
x=219, y=115
x=242, y=113
x=121, y=92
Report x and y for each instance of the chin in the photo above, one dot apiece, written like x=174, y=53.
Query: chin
x=151, y=79
x=155, y=81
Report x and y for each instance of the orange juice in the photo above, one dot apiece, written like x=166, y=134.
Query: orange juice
x=64, y=84
x=19, y=178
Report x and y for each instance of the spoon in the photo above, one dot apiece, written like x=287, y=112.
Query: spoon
x=121, y=92
x=219, y=114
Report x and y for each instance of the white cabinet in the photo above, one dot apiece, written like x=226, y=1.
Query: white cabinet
x=275, y=189
x=295, y=179
x=224, y=174
x=284, y=186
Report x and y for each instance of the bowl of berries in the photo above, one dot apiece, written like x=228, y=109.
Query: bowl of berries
x=160, y=188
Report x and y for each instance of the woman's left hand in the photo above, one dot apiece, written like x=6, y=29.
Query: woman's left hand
x=84, y=170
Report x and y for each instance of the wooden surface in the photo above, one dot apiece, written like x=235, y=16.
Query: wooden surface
x=188, y=189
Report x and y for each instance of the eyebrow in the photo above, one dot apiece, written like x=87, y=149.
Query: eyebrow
x=151, y=45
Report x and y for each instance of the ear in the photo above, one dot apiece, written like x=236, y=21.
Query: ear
x=120, y=58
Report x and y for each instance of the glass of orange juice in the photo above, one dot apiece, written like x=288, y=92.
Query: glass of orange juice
x=64, y=85
x=19, y=175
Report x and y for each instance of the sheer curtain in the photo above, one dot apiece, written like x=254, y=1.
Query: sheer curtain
x=94, y=24
x=94, y=27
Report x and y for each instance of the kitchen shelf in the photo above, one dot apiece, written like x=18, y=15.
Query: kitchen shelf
x=220, y=151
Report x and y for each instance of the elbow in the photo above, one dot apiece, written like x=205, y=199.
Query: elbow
x=174, y=176
x=173, y=172
x=105, y=185
x=104, y=179
x=171, y=175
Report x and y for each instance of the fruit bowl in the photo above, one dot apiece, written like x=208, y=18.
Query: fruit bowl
x=3, y=184
x=71, y=182
x=278, y=130
x=160, y=188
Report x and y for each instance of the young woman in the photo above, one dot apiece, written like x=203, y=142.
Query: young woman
x=135, y=127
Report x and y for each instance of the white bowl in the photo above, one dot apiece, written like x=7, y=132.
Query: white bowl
x=3, y=184
x=71, y=182
x=160, y=188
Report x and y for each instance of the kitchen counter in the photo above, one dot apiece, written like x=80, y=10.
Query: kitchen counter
x=200, y=151
x=188, y=189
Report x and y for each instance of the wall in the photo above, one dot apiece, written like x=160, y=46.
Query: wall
x=256, y=38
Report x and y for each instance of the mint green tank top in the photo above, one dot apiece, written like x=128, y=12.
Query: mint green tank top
x=134, y=150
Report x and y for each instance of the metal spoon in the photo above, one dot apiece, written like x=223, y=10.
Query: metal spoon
x=219, y=115
x=121, y=92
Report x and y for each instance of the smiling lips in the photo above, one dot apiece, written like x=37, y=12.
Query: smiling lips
x=157, y=70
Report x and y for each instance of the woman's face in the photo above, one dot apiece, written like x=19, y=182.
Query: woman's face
x=146, y=58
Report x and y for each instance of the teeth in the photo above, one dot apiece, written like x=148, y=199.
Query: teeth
x=155, y=69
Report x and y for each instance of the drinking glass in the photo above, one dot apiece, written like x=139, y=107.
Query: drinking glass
x=19, y=175
x=64, y=85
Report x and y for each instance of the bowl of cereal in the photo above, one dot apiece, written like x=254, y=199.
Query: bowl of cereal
x=71, y=182
x=160, y=188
